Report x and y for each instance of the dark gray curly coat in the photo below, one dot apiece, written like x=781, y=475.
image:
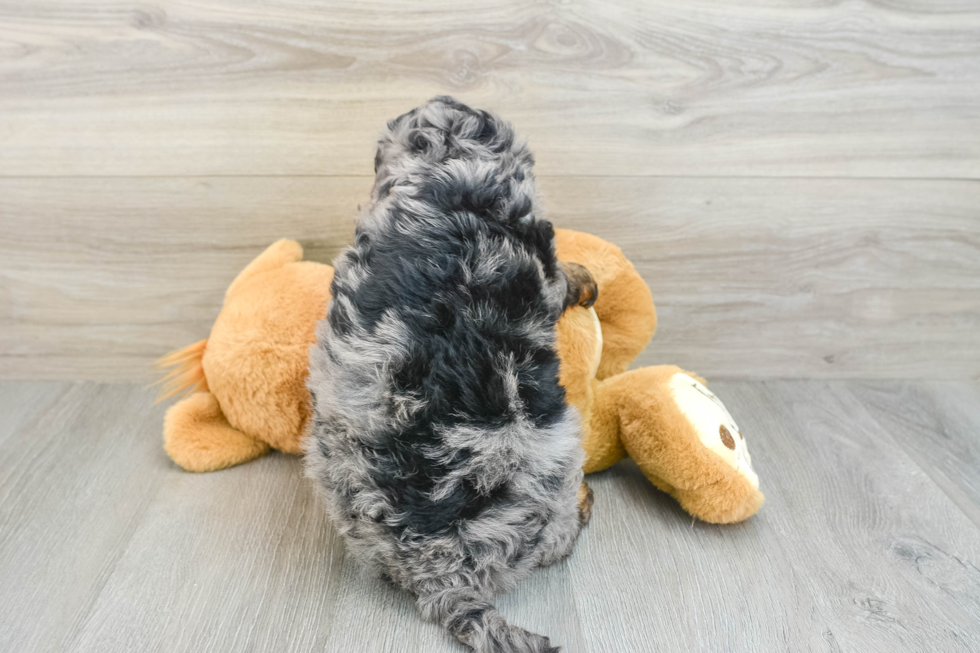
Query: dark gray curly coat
x=441, y=439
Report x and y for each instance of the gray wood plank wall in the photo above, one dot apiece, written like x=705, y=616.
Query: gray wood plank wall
x=798, y=182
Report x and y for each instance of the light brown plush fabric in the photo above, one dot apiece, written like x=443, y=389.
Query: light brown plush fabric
x=665, y=446
x=254, y=364
x=633, y=413
x=198, y=437
x=251, y=374
x=625, y=305
x=576, y=339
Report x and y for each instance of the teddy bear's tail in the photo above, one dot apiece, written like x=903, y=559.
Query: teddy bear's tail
x=186, y=370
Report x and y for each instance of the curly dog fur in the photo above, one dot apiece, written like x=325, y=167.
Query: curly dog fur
x=441, y=439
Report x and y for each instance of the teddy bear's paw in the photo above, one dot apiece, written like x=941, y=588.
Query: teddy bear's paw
x=713, y=423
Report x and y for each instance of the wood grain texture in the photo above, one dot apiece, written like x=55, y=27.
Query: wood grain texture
x=855, y=549
x=372, y=616
x=289, y=87
x=77, y=470
x=798, y=182
x=106, y=547
x=938, y=424
x=227, y=562
x=124, y=270
x=752, y=277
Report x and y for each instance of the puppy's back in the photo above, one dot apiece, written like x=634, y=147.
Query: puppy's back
x=439, y=421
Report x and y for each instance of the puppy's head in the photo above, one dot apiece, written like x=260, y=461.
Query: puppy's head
x=444, y=158
x=445, y=133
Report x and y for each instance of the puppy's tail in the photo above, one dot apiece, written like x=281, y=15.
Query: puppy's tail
x=474, y=622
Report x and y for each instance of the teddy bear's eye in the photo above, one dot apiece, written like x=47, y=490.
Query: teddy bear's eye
x=726, y=437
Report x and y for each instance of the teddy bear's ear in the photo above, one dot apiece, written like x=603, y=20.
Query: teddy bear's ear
x=275, y=256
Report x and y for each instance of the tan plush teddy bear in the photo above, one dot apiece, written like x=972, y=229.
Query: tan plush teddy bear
x=678, y=433
x=250, y=395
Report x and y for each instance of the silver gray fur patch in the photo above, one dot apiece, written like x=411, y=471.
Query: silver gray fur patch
x=373, y=379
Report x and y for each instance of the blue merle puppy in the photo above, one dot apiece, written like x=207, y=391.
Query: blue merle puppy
x=441, y=439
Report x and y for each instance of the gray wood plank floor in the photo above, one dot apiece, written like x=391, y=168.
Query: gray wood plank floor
x=869, y=540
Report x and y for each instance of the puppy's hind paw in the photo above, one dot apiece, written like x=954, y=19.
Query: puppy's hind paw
x=585, y=500
x=582, y=288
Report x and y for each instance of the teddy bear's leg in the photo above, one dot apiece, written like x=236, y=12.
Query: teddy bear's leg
x=197, y=436
x=684, y=440
x=275, y=256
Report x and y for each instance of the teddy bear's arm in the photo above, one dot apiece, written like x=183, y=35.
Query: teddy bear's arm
x=624, y=304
